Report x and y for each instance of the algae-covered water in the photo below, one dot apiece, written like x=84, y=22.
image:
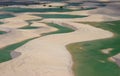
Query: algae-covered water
x=2, y=32
x=2, y=16
x=61, y=29
x=1, y=22
x=88, y=57
x=5, y=51
x=59, y=16
x=23, y=10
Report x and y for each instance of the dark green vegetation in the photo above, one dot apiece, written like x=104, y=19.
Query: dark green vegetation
x=59, y=16
x=21, y=10
x=61, y=29
x=5, y=52
x=88, y=58
x=2, y=32
x=2, y=16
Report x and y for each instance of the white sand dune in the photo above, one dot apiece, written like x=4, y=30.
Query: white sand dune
x=15, y=35
x=14, y=24
x=47, y=56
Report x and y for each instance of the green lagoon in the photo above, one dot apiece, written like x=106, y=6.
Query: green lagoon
x=23, y=10
x=61, y=29
x=2, y=16
x=59, y=16
x=88, y=57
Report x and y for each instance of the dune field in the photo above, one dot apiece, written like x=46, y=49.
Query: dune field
x=44, y=40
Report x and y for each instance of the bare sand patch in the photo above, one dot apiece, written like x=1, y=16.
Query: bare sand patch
x=106, y=51
x=115, y=59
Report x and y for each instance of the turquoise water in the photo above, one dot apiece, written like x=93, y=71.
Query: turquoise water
x=61, y=29
x=2, y=16
x=21, y=10
x=2, y=32
x=59, y=16
x=74, y=4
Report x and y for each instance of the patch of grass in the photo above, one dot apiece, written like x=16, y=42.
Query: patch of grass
x=59, y=16
x=5, y=52
x=88, y=58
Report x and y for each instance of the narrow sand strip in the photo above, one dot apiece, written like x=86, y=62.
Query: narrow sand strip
x=47, y=56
